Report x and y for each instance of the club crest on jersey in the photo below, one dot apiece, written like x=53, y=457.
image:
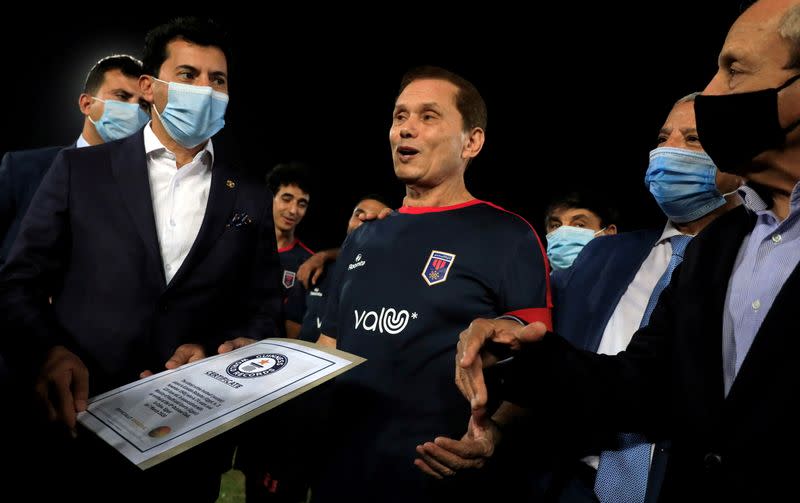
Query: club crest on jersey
x=288, y=278
x=437, y=267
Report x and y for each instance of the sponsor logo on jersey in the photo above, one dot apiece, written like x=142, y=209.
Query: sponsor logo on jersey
x=437, y=267
x=257, y=365
x=288, y=278
x=356, y=263
x=388, y=320
x=315, y=292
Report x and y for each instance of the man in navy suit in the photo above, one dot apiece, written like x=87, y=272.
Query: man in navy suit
x=110, y=103
x=156, y=249
x=602, y=298
x=714, y=370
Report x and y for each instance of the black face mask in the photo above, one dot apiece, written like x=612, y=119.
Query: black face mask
x=735, y=128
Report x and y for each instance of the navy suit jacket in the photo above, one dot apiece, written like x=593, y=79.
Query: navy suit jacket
x=21, y=172
x=586, y=294
x=89, y=240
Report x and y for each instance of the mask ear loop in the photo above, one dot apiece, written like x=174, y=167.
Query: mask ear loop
x=786, y=84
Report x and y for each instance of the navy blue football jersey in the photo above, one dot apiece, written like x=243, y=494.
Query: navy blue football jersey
x=315, y=306
x=403, y=289
x=294, y=301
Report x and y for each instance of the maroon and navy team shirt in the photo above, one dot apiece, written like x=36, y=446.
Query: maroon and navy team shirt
x=294, y=295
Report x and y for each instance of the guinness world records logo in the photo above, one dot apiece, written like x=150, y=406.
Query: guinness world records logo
x=257, y=365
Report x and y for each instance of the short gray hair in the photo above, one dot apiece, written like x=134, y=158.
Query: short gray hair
x=789, y=28
x=689, y=98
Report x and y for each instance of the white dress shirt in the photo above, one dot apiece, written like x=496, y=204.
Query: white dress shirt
x=179, y=196
x=628, y=314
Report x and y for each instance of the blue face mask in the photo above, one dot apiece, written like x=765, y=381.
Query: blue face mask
x=565, y=243
x=120, y=119
x=684, y=183
x=193, y=113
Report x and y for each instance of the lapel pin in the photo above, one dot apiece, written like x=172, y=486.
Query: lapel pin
x=230, y=184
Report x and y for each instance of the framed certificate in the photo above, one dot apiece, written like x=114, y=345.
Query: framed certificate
x=154, y=419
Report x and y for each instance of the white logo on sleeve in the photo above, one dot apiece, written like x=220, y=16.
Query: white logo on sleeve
x=356, y=263
x=389, y=320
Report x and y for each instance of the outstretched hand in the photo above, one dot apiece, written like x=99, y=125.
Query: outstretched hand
x=473, y=355
x=445, y=457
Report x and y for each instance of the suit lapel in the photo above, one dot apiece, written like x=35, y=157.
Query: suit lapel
x=619, y=274
x=129, y=168
x=221, y=199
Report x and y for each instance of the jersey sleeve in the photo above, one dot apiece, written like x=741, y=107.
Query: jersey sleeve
x=330, y=314
x=295, y=303
x=525, y=287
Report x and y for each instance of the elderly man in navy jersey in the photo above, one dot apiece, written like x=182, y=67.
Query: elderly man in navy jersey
x=405, y=286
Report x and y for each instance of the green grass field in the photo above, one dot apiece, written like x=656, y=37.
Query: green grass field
x=232, y=487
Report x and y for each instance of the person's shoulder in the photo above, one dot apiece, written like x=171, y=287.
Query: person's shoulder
x=644, y=238
x=502, y=220
x=733, y=222
x=103, y=152
x=304, y=251
x=29, y=155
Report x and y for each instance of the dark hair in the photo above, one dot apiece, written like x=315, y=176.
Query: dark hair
x=205, y=32
x=577, y=199
x=377, y=197
x=290, y=173
x=469, y=102
x=128, y=65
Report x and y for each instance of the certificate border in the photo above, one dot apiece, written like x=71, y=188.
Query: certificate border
x=352, y=360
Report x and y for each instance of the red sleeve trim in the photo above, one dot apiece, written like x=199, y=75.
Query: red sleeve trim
x=548, y=295
x=530, y=315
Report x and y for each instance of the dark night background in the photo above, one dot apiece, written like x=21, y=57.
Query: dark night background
x=578, y=109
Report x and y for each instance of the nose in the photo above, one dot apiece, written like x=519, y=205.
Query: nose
x=715, y=86
x=408, y=129
x=674, y=140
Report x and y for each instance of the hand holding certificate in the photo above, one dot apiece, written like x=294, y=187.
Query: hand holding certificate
x=152, y=420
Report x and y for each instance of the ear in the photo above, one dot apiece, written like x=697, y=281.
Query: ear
x=146, y=86
x=474, y=144
x=84, y=103
x=610, y=230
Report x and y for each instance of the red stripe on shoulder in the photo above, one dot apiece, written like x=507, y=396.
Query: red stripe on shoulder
x=548, y=295
x=306, y=248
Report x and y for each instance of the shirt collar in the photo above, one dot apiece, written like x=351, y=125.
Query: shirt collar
x=756, y=204
x=753, y=201
x=153, y=146
x=669, y=231
x=81, y=142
